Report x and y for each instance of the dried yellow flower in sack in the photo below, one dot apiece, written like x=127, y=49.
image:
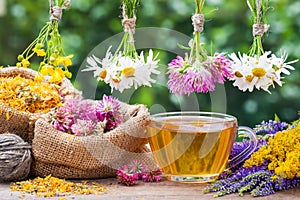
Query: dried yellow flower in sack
x=28, y=95
x=51, y=186
x=282, y=153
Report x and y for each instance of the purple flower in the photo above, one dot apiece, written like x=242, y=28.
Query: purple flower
x=270, y=128
x=108, y=110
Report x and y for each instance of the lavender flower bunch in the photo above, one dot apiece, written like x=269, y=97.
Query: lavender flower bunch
x=82, y=117
x=256, y=180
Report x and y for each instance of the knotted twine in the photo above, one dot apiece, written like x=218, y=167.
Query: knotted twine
x=198, y=22
x=15, y=158
x=129, y=25
x=56, y=11
x=258, y=28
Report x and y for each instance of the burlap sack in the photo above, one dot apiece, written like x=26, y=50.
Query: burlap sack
x=42, y=169
x=91, y=155
x=22, y=124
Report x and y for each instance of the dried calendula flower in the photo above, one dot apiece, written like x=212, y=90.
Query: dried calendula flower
x=28, y=95
x=51, y=186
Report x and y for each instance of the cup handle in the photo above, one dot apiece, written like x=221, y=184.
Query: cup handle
x=247, y=151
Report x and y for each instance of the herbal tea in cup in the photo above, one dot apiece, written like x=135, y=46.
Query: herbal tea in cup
x=195, y=146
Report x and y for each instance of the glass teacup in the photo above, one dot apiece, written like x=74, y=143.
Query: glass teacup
x=195, y=146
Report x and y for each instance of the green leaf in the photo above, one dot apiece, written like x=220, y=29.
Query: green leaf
x=183, y=47
x=251, y=5
x=276, y=118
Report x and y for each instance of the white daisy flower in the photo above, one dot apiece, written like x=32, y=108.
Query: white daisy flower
x=102, y=68
x=250, y=72
x=124, y=72
x=242, y=72
x=131, y=72
x=151, y=62
x=282, y=67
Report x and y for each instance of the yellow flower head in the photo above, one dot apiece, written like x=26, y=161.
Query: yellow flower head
x=25, y=63
x=66, y=61
x=47, y=69
x=39, y=52
x=57, y=75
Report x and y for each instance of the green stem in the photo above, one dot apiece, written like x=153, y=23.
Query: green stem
x=196, y=49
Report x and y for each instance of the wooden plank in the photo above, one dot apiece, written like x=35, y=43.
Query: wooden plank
x=146, y=191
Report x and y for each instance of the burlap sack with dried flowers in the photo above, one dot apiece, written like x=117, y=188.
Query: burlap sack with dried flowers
x=94, y=156
x=22, y=123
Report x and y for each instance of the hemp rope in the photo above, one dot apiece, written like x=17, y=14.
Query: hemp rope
x=15, y=157
x=129, y=25
x=56, y=11
x=258, y=28
x=198, y=22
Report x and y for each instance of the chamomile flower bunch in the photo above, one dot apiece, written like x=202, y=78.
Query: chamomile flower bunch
x=125, y=68
x=198, y=72
x=48, y=46
x=259, y=69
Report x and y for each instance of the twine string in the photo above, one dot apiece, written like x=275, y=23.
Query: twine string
x=258, y=28
x=198, y=22
x=129, y=25
x=56, y=11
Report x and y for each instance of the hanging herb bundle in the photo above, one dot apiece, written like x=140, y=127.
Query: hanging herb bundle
x=125, y=68
x=48, y=46
x=259, y=69
x=198, y=72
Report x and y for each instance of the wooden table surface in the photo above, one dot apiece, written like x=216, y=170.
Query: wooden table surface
x=146, y=191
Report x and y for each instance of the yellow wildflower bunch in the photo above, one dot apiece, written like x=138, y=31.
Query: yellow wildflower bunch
x=51, y=186
x=48, y=46
x=28, y=95
x=282, y=152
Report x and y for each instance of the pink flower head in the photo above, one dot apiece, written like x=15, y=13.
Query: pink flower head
x=200, y=80
x=126, y=176
x=178, y=62
x=83, y=127
x=152, y=176
x=177, y=83
x=221, y=68
x=109, y=103
x=130, y=174
x=109, y=109
x=190, y=78
x=81, y=117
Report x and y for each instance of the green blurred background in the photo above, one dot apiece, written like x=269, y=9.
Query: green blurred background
x=90, y=22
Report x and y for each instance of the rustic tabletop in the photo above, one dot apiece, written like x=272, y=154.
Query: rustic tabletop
x=147, y=191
